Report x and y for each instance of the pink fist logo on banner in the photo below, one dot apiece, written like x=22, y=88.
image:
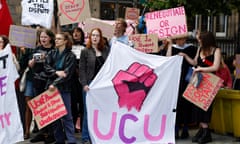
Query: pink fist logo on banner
x=133, y=85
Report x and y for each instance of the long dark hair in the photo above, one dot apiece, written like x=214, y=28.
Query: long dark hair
x=208, y=41
x=49, y=33
x=5, y=40
x=81, y=42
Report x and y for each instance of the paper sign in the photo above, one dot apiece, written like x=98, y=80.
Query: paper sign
x=167, y=23
x=47, y=107
x=203, y=95
x=238, y=66
x=73, y=11
x=132, y=13
x=22, y=36
x=107, y=28
x=144, y=42
x=37, y=12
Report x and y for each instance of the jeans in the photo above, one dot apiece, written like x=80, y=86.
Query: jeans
x=85, y=133
x=64, y=126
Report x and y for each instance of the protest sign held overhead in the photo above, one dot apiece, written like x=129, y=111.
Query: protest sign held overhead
x=106, y=27
x=37, y=12
x=11, y=130
x=130, y=100
x=73, y=11
x=167, y=23
x=22, y=36
x=147, y=43
x=132, y=13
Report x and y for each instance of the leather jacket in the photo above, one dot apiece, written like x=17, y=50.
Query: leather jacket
x=68, y=65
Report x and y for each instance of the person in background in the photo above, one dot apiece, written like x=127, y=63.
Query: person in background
x=119, y=30
x=91, y=60
x=236, y=83
x=207, y=60
x=60, y=66
x=3, y=43
x=224, y=73
x=29, y=91
x=77, y=101
x=184, y=107
x=36, y=62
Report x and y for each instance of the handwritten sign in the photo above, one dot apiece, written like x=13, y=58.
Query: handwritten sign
x=144, y=42
x=238, y=66
x=47, y=107
x=107, y=28
x=73, y=11
x=37, y=12
x=22, y=36
x=167, y=23
x=132, y=13
x=203, y=95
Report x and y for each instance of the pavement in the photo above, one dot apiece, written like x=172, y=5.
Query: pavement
x=217, y=139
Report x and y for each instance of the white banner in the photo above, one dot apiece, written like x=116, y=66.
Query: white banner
x=11, y=130
x=133, y=98
x=37, y=12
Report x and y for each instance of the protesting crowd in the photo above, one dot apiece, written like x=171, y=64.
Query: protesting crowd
x=71, y=58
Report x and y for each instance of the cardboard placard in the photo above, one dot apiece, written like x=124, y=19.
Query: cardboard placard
x=238, y=66
x=22, y=36
x=47, y=107
x=147, y=43
x=107, y=28
x=203, y=95
x=132, y=13
x=73, y=11
x=167, y=23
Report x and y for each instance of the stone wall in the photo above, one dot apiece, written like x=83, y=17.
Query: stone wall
x=15, y=10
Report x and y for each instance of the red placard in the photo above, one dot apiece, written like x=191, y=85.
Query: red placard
x=47, y=107
x=203, y=95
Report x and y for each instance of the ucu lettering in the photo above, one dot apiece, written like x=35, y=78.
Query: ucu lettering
x=122, y=127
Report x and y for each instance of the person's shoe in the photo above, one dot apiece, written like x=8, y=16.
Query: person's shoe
x=38, y=138
x=184, y=134
x=87, y=142
x=206, y=136
x=198, y=135
x=49, y=139
x=35, y=129
x=176, y=135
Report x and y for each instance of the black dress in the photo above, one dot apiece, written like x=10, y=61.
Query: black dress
x=199, y=114
x=184, y=107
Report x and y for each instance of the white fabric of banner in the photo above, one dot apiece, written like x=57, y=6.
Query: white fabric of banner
x=133, y=97
x=11, y=130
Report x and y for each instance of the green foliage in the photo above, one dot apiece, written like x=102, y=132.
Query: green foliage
x=193, y=7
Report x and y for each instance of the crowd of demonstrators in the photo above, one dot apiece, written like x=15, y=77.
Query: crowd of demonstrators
x=77, y=99
x=184, y=107
x=65, y=62
x=91, y=60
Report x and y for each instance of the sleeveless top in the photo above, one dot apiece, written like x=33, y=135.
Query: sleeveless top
x=207, y=61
